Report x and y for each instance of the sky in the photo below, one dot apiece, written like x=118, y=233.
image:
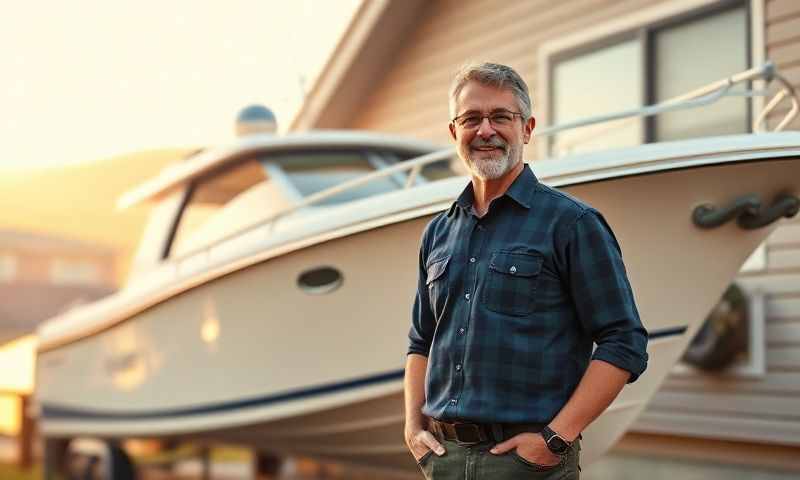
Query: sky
x=87, y=80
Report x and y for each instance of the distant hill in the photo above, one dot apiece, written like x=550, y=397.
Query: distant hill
x=79, y=201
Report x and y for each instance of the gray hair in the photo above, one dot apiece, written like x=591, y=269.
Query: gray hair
x=494, y=75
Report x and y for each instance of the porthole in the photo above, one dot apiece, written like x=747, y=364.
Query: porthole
x=319, y=281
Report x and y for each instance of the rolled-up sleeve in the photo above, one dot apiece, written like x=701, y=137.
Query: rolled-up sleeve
x=423, y=324
x=603, y=296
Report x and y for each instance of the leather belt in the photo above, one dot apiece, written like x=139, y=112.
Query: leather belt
x=466, y=433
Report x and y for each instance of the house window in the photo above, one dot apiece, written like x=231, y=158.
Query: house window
x=645, y=58
x=594, y=83
x=8, y=268
x=74, y=272
x=645, y=66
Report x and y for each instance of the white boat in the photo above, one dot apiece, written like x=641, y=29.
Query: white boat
x=267, y=310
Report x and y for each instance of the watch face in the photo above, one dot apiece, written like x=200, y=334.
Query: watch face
x=557, y=445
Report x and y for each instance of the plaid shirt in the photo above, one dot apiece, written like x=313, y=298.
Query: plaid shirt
x=508, y=306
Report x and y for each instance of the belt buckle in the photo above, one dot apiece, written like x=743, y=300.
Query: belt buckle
x=467, y=433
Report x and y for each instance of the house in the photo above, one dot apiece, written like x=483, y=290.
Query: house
x=78, y=201
x=40, y=276
x=391, y=73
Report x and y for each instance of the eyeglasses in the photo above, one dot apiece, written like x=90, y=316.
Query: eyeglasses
x=497, y=118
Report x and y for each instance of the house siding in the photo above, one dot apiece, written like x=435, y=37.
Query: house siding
x=764, y=408
x=411, y=99
x=783, y=47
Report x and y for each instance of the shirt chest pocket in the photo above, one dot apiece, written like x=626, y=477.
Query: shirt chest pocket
x=437, y=284
x=510, y=286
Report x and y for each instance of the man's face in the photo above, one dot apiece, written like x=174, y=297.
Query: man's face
x=489, y=149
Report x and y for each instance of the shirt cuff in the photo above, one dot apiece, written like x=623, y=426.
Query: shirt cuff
x=634, y=364
x=418, y=350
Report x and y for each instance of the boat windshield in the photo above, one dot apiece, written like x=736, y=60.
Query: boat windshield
x=256, y=190
x=312, y=172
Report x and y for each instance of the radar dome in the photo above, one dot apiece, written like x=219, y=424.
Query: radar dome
x=255, y=119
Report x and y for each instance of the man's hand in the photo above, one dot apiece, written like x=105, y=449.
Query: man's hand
x=420, y=441
x=531, y=447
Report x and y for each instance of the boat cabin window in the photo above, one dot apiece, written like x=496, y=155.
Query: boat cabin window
x=314, y=172
x=439, y=170
x=257, y=189
x=452, y=167
x=225, y=203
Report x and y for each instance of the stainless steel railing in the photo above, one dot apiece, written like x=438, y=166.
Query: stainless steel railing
x=699, y=97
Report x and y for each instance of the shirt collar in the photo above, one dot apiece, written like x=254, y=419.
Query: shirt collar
x=521, y=191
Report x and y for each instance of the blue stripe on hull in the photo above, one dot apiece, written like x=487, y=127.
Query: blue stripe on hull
x=54, y=412
x=51, y=411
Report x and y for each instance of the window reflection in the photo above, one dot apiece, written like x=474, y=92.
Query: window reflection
x=314, y=172
x=224, y=203
x=244, y=195
x=600, y=82
x=722, y=37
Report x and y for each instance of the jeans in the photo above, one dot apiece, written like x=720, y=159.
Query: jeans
x=474, y=462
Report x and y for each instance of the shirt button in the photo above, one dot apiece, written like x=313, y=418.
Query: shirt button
x=458, y=367
x=461, y=331
x=472, y=260
x=513, y=269
x=467, y=296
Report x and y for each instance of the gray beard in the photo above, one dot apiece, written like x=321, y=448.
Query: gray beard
x=492, y=169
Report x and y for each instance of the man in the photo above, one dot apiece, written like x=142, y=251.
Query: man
x=517, y=281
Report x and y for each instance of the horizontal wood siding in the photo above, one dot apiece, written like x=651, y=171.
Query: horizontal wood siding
x=783, y=48
x=787, y=307
x=411, y=99
x=728, y=427
x=765, y=409
x=709, y=403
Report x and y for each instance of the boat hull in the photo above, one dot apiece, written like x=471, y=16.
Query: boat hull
x=250, y=358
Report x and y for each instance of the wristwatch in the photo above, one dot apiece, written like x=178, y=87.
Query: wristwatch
x=555, y=443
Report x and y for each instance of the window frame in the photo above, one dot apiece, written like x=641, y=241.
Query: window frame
x=607, y=42
x=186, y=199
x=644, y=25
x=650, y=31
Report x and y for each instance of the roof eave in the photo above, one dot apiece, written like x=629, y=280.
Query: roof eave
x=362, y=56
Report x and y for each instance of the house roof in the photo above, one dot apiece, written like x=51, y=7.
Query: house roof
x=362, y=56
x=23, y=306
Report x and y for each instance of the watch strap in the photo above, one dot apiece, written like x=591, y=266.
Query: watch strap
x=549, y=434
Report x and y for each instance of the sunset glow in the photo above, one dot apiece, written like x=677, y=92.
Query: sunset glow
x=89, y=79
